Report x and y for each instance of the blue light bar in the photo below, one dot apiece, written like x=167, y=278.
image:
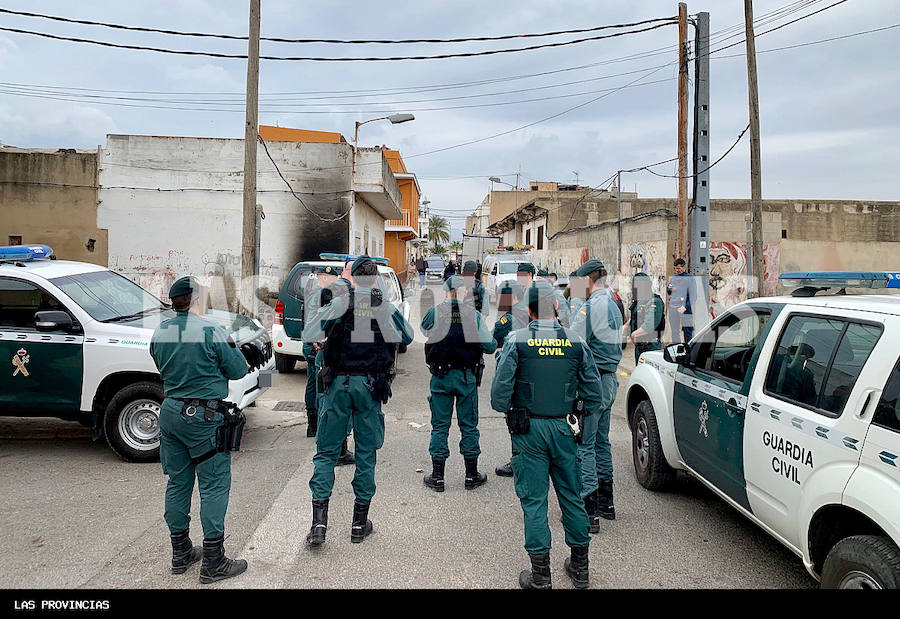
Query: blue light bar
x=24, y=253
x=842, y=279
x=349, y=257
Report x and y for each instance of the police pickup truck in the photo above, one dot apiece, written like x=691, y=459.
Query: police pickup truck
x=75, y=339
x=788, y=409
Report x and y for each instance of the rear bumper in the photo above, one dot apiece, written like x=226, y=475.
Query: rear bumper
x=284, y=345
x=246, y=390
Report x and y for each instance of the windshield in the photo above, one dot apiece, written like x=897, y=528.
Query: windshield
x=436, y=264
x=508, y=267
x=388, y=288
x=107, y=296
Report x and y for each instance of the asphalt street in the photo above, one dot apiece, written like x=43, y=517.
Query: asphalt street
x=73, y=515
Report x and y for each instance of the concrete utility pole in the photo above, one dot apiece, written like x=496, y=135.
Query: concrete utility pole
x=682, y=239
x=756, y=263
x=619, y=220
x=251, y=131
x=699, y=218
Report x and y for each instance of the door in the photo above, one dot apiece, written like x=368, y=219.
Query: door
x=881, y=452
x=41, y=372
x=299, y=280
x=710, y=398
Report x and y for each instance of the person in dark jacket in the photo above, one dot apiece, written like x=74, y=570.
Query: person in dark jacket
x=646, y=316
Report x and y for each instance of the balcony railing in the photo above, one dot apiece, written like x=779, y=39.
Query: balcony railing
x=406, y=220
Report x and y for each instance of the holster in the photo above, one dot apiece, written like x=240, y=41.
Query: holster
x=578, y=413
x=381, y=388
x=518, y=420
x=229, y=434
x=479, y=372
x=326, y=376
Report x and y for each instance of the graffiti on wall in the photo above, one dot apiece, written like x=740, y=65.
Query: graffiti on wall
x=646, y=258
x=728, y=272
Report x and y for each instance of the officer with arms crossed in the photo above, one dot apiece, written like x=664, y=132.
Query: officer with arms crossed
x=195, y=362
x=599, y=322
x=457, y=338
x=362, y=333
x=541, y=369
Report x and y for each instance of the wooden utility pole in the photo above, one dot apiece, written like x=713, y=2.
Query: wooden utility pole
x=756, y=223
x=682, y=240
x=251, y=131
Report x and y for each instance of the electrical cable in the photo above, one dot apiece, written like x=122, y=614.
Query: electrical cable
x=725, y=154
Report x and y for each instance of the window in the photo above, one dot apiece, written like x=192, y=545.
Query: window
x=20, y=300
x=106, y=295
x=727, y=348
x=15, y=239
x=540, y=239
x=528, y=237
x=508, y=267
x=887, y=415
x=818, y=360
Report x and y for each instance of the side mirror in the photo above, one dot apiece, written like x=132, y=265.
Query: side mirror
x=676, y=353
x=53, y=321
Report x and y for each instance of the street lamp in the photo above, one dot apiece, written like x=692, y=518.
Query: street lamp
x=495, y=179
x=395, y=119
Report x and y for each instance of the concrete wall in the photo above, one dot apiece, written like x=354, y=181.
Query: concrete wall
x=158, y=236
x=61, y=212
x=366, y=229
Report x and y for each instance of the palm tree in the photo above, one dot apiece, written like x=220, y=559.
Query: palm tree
x=438, y=230
x=456, y=247
x=438, y=250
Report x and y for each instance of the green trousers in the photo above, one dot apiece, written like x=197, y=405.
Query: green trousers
x=347, y=400
x=595, y=451
x=182, y=438
x=458, y=386
x=309, y=354
x=548, y=452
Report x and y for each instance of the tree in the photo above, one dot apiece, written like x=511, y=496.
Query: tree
x=438, y=230
x=438, y=249
x=456, y=247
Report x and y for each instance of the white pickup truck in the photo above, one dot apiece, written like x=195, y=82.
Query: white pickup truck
x=788, y=408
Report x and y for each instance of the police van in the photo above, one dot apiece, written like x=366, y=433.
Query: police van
x=287, y=329
x=75, y=339
x=788, y=408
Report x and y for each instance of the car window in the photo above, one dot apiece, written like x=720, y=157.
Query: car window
x=727, y=348
x=887, y=415
x=300, y=281
x=106, y=295
x=508, y=267
x=436, y=264
x=817, y=361
x=19, y=300
x=388, y=287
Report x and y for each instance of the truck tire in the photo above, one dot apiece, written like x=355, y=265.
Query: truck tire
x=862, y=562
x=650, y=466
x=285, y=363
x=131, y=421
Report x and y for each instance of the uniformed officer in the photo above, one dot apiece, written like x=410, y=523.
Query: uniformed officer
x=578, y=293
x=647, y=316
x=540, y=370
x=562, y=305
x=195, y=362
x=362, y=334
x=475, y=288
x=513, y=315
x=599, y=322
x=524, y=276
x=457, y=338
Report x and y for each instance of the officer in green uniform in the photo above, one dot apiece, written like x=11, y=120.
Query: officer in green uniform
x=647, y=316
x=599, y=322
x=578, y=293
x=457, y=339
x=562, y=305
x=195, y=362
x=541, y=369
x=362, y=333
x=474, y=286
x=513, y=315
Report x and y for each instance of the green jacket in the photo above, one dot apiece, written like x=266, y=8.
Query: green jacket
x=603, y=331
x=194, y=358
x=647, y=316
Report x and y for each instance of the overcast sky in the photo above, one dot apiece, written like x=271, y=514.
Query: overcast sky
x=829, y=113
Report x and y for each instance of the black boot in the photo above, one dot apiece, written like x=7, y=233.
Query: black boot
x=435, y=481
x=346, y=456
x=184, y=554
x=216, y=566
x=577, y=568
x=590, y=506
x=605, y=508
x=474, y=479
x=312, y=424
x=362, y=526
x=319, y=523
x=539, y=576
x=505, y=470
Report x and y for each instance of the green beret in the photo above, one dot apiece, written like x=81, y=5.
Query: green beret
x=525, y=267
x=469, y=267
x=589, y=267
x=543, y=273
x=360, y=261
x=540, y=290
x=453, y=282
x=329, y=269
x=512, y=288
x=573, y=274
x=641, y=275
x=183, y=286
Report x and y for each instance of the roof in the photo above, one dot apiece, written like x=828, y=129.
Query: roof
x=877, y=303
x=50, y=268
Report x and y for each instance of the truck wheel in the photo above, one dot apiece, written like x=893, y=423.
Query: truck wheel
x=131, y=422
x=284, y=363
x=862, y=562
x=650, y=466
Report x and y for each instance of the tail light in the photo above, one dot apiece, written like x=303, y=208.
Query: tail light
x=279, y=313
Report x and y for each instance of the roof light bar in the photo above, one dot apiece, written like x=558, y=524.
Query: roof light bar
x=24, y=253
x=841, y=279
x=349, y=257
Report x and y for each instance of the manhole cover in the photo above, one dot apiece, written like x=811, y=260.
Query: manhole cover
x=289, y=405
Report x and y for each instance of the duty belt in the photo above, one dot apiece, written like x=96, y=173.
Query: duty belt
x=210, y=407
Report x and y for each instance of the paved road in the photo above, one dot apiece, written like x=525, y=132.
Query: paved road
x=73, y=515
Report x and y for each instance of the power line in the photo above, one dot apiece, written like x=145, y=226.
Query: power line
x=340, y=41
x=336, y=59
x=725, y=154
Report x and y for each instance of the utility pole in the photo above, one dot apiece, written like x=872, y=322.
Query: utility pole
x=756, y=227
x=251, y=132
x=682, y=240
x=699, y=218
x=619, y=220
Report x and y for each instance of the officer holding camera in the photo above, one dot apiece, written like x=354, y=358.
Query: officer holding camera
x=457, y=339
x=541, y=369
x=197, y=429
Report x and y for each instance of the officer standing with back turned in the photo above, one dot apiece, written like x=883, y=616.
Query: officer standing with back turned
x=195, y=362
x=541, y=368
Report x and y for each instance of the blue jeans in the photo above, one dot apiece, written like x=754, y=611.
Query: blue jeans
x=421, y=279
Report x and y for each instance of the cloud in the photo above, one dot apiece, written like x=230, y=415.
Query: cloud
x=207, y=75
x=50, y=125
